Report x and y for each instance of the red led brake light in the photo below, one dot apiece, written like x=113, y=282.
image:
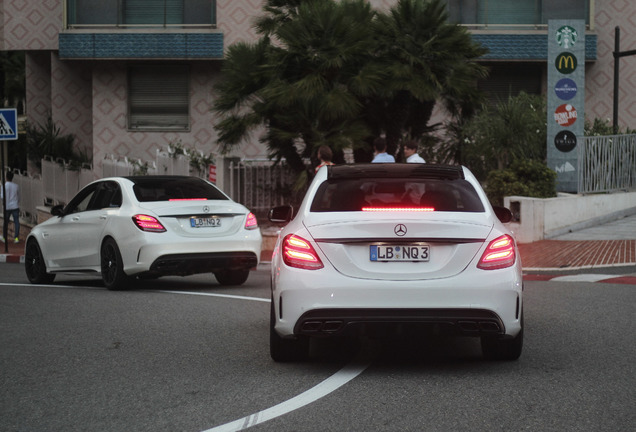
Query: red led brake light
x=499, y=254
x=251, y=222
x=398, y=209
x=188, y=199
x=299, y=253
x=148, y=223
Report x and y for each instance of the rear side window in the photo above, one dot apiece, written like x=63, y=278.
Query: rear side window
x=151, y=188
x=337, y=195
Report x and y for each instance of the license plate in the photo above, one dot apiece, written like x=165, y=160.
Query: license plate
x=201, y=222
x=399, y=253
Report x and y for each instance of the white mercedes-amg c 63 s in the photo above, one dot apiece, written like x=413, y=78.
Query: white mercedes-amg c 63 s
x=145, y=227
x=382, y=248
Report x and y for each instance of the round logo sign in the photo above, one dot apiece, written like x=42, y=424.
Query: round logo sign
x=565, y=89
x=566, y=36
x=565, y=63
x=565, y=141
x=565, y=115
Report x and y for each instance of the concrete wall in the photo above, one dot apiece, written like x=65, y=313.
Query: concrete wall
x=544, y=218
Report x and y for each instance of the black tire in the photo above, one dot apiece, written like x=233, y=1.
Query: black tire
x=232, y=277
x=112, y=266
x=503, y=349
x=34, y=264
x=286, y=350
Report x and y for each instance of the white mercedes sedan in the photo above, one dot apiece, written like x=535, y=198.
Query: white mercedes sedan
x=124, y=228
x=393, y=249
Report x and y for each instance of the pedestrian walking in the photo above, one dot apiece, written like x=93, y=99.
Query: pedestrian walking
x=381, y=156
x=324, y=156
x=410, y=151
x=12, y=209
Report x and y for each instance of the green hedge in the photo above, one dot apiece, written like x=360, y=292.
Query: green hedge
x=530, y=178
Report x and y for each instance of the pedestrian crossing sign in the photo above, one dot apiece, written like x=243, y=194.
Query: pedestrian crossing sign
x=8, y=124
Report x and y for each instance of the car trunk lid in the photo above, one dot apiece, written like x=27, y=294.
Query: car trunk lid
x=408, y=247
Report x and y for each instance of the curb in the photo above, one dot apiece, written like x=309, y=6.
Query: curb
x=14, y=259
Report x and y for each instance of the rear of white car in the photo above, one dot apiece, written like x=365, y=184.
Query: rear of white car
x=383, y=248
x=146, y=227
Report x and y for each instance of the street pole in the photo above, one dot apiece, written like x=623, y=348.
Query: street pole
x=617, y=55
x=5, y=226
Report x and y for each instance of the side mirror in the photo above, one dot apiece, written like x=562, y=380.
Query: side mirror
x=503, y=214
x=57, y=210
x=281, y=215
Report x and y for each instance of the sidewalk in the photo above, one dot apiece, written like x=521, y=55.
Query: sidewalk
x=609, y=245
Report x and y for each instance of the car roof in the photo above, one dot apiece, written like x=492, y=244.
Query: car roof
x=395, y=170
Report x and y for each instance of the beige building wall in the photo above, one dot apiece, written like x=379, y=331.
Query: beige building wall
x=88, y=98
x=599, y=80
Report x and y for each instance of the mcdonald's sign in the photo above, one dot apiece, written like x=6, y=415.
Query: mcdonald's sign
x=565, y=63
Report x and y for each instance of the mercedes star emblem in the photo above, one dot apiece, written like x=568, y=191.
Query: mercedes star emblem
x=400, y=230
x=206, y=209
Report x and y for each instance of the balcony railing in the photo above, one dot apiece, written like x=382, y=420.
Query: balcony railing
x=140, y=14
x=517, y=14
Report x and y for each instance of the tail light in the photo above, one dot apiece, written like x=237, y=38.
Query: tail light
x=251, y=222
x=299, y=253
x=499, y=254
x=148, y=223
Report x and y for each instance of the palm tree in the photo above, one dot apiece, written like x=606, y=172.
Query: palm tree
x=340, y=73
x=425, y=59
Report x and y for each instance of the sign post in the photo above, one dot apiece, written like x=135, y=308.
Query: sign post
x=566, y=100
x=8, y=131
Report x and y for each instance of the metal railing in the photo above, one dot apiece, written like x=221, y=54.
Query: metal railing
x=261, y=184
x=607, y=163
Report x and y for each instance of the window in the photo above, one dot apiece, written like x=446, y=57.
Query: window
x=158, y=97
x=146, y=13
x=153, y=12
x=165, y=188
x=408, y=193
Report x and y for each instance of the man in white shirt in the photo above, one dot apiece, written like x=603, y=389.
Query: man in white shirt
x=12, y=207
x=410, y=151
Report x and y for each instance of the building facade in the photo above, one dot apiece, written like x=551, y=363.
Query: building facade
x=128, y=77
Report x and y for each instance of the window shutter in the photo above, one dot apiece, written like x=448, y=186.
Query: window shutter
x=158, y=97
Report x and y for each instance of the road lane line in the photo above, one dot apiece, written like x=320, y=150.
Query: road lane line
x=331, y=384
x=266, y=300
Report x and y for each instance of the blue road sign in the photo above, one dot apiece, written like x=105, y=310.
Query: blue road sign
x=8, y=124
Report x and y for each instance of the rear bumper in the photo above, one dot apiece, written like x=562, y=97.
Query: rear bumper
x=473, y=303
x=374, y=322
x=187, y=264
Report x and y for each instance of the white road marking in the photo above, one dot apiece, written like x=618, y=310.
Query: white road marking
x=331, y=384
x=582, y=278
x=266, y=300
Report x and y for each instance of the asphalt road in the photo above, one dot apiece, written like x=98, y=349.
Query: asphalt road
x=184, y=354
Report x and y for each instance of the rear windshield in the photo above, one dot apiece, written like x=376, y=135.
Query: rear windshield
x=337, y=195
x=149, y=188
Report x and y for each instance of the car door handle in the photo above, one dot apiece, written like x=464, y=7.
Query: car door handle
x=104, y=217
x=76, y=218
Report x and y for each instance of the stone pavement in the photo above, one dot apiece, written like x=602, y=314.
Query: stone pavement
x=605, y=253
x=609, y=245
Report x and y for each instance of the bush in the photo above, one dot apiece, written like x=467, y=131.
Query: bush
x=529, y=178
